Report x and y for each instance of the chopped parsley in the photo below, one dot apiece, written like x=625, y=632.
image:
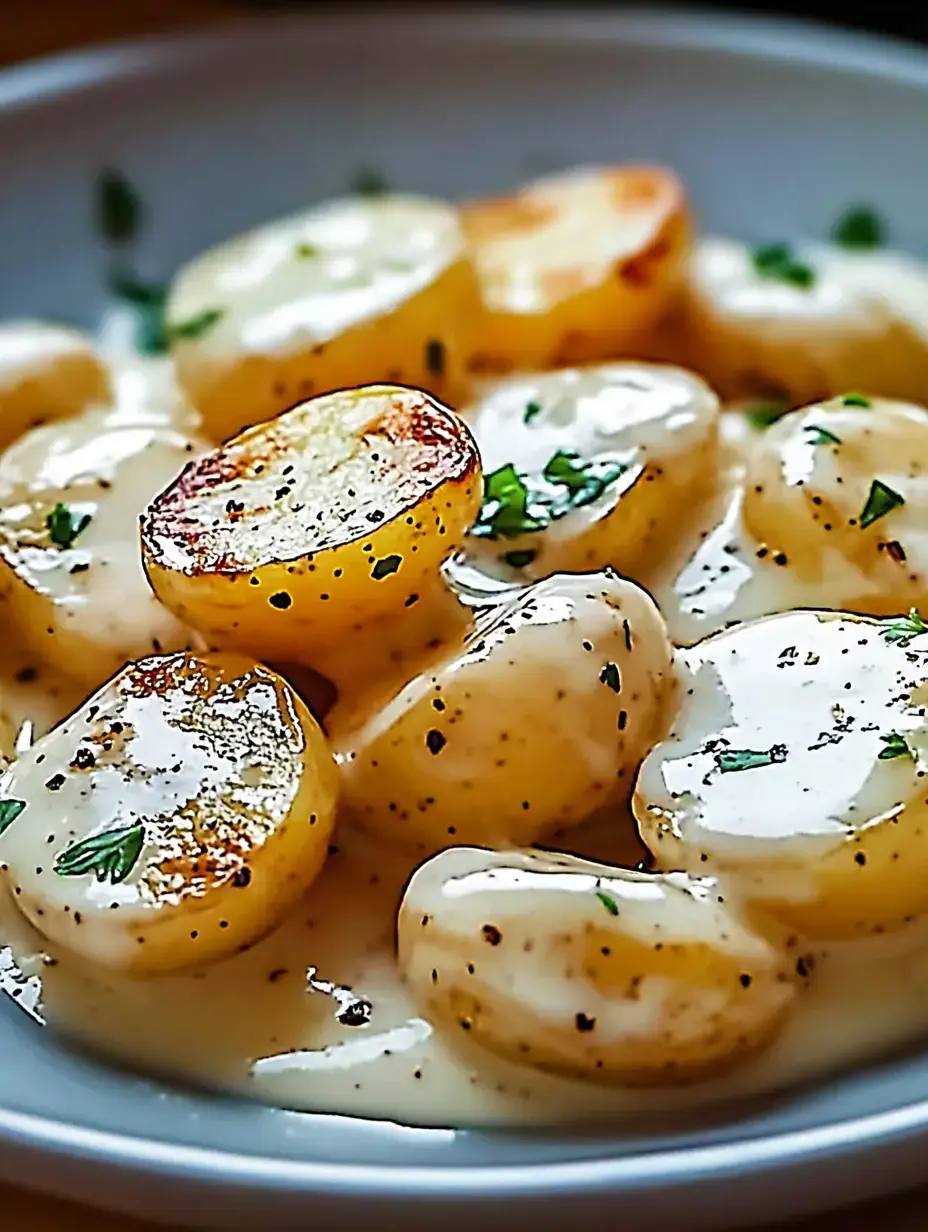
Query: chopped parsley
x=881, y=500
x=610, y=677
x=859, y=227
x=385, y=566
x=607, y=901
x=511, y=507
x=895, y=746
x=778, y=261
x=856, y=400
x=817, y=435
x=532, y=409
x=195, y=326
x=306, y=250
x=111, y=856
x=900, y=630
x=518, y=559
x=148, y=300
x=118, y=207
x=369, y=183
x=9, y=811
x=63, y=526
x=730, y=760
x=763, y=414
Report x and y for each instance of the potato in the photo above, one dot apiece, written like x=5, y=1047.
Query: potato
x=305, y=530
x=71, y=581
x=538, y=719
x=604, y=457
x=46, y=372
x=174, y=818
x=578, y=266
x=795, y=768
x=351, y=292
x=588, y=970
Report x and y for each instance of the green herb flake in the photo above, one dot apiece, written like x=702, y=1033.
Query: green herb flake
x=584, y=481
x=9, y=811
x=895, y=746
x=63, y=526
x=307, y=250
x=856, y=400
x=148, y=300
x=763, y=414
x=532, y=411
x=610, y=677
x=369, y=183
x=195, y=326
x=385, y=566
x=504, y=513
x=778, y=261
x=607, y=901
x=817, y=435
x=118, y=208
x=518, y=559
x=111, y=856
x=900, y=630
x=859, y=227
x=730, y=760
x=511, y=507
x=881, y=500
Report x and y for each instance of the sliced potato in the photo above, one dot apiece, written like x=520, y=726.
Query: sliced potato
x=589, y=970
x=305, y=529
x=796, y=768
x=576, y=267
x=539, y=718
x=46, y=372
x=174, y=818
x=756, y=327
x=71, y=580
x=606, y=457
x=848, y=476
x=351, y=292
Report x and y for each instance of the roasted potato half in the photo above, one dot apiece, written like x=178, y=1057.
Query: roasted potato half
x=589, y=970
x=576, y=267
x=537, y=720
x=795, y=767
x=350, y=292
x=46, y=372
x=301, y=530
x=172, y=819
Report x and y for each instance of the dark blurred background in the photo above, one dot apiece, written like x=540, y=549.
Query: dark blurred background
x=35, y=27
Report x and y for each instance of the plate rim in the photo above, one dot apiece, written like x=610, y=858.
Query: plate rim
x=43, y=81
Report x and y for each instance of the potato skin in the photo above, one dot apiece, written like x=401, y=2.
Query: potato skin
x=326, y=519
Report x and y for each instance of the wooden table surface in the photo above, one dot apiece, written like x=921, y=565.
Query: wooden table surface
x=38, y=27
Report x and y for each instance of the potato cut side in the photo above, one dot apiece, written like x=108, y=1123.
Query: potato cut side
x=350, y=292
x=174, y=818
x=577, y=267
x=306, y=528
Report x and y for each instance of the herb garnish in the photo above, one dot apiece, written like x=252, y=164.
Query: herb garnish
x=118, y=207
x=518, y=559
x=730, y=760
x=9, y=811
x=149, y=300
x=610, y=677
x=881, y=500
x=111, y=855
x=778, y=261
x=369, y=183
x=64, y=526
x=817, y=435
x=895, y=747
x=763, y=414
x=511, y=508
x=859, y=227
x=900, y=630
x=856, y=400
x=195, y=326
x=531, y=410
x=306, y=250
x=607, y=901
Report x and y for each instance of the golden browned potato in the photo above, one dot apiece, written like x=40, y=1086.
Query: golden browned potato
x=577, y=266
x=361, y=290
x=796, y=768
x=305, y=530
x=589, y=970
x=172, y=819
